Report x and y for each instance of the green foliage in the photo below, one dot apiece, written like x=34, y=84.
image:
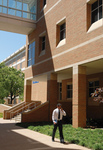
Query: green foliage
x=1, y=115
x=2, y=101
x=91, y=138
x=11, y=82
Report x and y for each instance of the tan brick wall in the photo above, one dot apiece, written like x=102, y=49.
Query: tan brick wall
x=39, y=114
x=3, y=107
x=39, y=92
x=80, y=46
x=76, y=33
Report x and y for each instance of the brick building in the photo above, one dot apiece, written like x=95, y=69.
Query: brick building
x=68, y=47
x=64, y=59
x=16, y=60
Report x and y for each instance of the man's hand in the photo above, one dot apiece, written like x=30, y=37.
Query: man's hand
x=55, y=123
x=61, y=109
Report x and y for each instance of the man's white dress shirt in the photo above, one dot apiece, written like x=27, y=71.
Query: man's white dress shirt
x=55, y=114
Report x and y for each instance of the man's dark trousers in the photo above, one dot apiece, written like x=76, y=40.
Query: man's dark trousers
x=58, y=124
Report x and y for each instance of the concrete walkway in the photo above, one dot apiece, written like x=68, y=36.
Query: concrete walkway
x=13, y=137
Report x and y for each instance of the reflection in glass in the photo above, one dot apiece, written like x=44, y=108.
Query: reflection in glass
x=11, y=11
x=95, y=16
x=0, y=9
x=18, y=13
x=4, y=2
x=12, y=3
x=0, y=2
x=100, y=12
x=4, y=10
x=19, y=5
x=25, y=7
x=20, y=8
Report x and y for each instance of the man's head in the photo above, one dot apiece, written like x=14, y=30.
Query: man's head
x=59, y=106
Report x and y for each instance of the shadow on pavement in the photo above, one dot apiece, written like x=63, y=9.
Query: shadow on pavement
x=10, y=140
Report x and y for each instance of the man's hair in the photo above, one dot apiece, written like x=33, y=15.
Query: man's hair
x=59, y=105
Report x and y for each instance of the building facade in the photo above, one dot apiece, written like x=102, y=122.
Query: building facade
x=16, y=60
x=66, y=52
x=64, y=57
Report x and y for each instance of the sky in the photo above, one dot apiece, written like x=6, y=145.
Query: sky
x=9, y=43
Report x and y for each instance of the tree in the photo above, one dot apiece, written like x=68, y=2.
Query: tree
x=98, y=95
x=3, y=91
x=12, y=81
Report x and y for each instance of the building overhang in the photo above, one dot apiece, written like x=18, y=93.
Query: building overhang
x=16, y=24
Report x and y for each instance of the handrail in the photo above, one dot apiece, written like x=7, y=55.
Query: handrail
x=21, y=110
x=16, y=107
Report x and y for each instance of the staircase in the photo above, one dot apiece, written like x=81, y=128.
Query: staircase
x=17, y=118
x=16, y=111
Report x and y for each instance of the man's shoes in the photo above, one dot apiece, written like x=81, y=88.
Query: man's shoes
x=62, y=141
x=53, y=140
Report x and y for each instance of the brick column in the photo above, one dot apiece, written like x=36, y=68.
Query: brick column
x=52, y=93
x=27, y=90
x=79, y=96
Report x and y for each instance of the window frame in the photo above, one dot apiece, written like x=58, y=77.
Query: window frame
x=62, y=32
x=32, y=58
x=43, y=43
x=92, y=87
x=96, y=9
x=60, y=41
x=70, y=90
x=60, y=90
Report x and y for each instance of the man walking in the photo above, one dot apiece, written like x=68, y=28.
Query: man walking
x=57, y=116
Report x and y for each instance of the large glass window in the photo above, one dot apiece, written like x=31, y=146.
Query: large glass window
x=4, y=2
x=92, y=87
x=69, y=91
x=31, y=54
x=20, y=8
x=96, y=11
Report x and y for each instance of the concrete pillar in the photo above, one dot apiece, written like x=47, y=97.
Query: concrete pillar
x=79, y=96
x=52, y=93
x=27, y=90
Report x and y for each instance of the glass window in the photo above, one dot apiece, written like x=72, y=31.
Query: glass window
x=18, y=13
x=32, y=17
x=4, y=10
x=92, y=87
x=0, y=2
x=11, y=11
x=43, y=43
x=31, y=54
x=62, y=31
x=19, y=5
x=44, y=2
x=4, y=2
x=25, y=7
x=0, y=9
x=60, y=91
x=12, y=3
x=21, y=65
x=96, y=11
x=69, y=91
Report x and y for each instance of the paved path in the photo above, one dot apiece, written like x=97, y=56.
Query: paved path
x=13, y=137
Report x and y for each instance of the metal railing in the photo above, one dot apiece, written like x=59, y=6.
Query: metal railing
x=29, y=106
x=15, y=107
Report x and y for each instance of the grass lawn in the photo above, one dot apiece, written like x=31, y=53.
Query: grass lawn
x=91, y=138
x=1, y=115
